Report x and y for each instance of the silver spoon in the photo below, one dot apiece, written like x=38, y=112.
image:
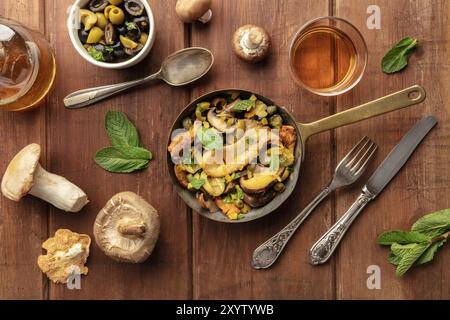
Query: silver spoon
x=180, y=68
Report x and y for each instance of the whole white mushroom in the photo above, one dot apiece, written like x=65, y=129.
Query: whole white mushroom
x=191, y=10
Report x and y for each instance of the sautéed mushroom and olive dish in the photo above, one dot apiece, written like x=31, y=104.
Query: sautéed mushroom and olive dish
x=233, y=153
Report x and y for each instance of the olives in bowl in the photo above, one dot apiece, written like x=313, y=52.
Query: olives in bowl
x=112, y=34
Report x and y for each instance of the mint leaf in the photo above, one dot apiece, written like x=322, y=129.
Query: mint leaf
x=197, y=183
x=97, y=55
x=397, y=58
x=410, y=256
x=433, y=224
x=394, y=259
x=239, y=192
x=123, y=159
x=210, y=138
x=428, y=255
x=120, y=130
x=243, y=105
x=401, y=237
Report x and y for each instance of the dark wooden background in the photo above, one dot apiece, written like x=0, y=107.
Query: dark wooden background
x=200, y=259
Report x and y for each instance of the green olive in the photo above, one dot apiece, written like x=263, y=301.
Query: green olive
x=101, y=20
x=279, y=187
x=127, y=43
x=108, y=10
x=88, y=19
x=115, y=2
x=95, y=35
x=144, y=38
x=116, y=16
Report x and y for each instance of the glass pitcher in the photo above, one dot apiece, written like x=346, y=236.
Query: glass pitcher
x=27, y=67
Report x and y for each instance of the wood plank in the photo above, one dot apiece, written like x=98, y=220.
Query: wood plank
x=23, y=226
x=222, y=253
x=422, y=186
x=74, y=138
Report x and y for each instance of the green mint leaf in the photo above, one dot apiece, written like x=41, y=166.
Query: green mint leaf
x=401, y=237
x=120, y=130
x=210, y=138
x=239, y=192
x=397, y=58
x=97, y=55
x=394, y=259
x=433, y=224
x=235, y=175
x=243, y=105
x=197, y=183
x=123, y=159
x=410, y=257
x=428, y=255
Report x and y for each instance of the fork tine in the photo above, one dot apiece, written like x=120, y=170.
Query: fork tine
x=366, y=163
x=356, y=162
x=358, y=154
x=350, y=154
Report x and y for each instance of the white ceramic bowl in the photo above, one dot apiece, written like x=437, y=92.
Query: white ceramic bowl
x=73, y=25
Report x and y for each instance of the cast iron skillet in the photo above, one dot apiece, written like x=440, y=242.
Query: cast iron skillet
x=397, y=100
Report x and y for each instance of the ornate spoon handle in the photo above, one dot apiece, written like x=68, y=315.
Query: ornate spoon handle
x=267, y=253
x=322, y=250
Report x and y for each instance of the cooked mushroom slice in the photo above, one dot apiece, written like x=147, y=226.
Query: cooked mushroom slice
x=259, y=183
x=67, y=253
x=127, y=228
x=98, y=5
x=181, y=175
x=190, y=10
x=220, y=124
x=207, y=202
x=288, y=137
x=134, y=7
x=260, y=200
x=251, y=43
x=213, y=186
x=25, y=175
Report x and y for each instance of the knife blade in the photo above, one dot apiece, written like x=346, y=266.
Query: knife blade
x=322, y=250
x=396, y=159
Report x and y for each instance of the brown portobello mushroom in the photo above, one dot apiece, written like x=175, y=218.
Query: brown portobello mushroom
x=259, y=200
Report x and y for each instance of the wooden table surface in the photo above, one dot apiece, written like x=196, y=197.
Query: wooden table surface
x=196, y=258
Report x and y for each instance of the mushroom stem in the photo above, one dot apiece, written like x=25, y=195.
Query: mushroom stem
x=132, y=229
x=58, y=191
x=206, y=17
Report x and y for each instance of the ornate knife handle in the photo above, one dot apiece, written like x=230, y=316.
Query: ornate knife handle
x=322, y=250
x=267, y=253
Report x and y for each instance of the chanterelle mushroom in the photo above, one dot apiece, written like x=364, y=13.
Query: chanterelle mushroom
x=67, y=253
x=25, y=175
x=127, y=228
x=190, y=10
x=251, y=43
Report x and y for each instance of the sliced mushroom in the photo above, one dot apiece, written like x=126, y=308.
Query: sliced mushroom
x=190, y=10
x=260, y=200
x=220, y=124
x=207, y=202
x=259, y=183
x=98, y=5
x=288, y=137
x=181, y=175
x=213, y=186
x=251, y=43
x=25, y=175
x=127, y=228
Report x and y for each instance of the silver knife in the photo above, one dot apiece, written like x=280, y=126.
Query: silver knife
x=322, y=250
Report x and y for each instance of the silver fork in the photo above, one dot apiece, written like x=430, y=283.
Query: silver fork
x=351, y=167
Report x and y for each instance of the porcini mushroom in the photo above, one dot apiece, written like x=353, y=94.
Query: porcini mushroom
x=127, y=228
x=190, y=10
x=25, y=175
x=251, y=43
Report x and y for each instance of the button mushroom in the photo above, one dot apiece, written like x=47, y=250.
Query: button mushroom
x=25, y=175
x=127, y=228
x=190, y=10
x=251, y=43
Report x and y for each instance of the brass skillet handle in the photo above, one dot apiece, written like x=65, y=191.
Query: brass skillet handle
x=400, y=99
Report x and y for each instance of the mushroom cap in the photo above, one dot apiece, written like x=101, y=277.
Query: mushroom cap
x=190, y=10
x=18, y=178
x=251, y=43
x=127, y=228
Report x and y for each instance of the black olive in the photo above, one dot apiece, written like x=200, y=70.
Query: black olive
x=142, y=22
x=106, y=51
x=133, y=31
x=110, y=34
x=122, y=29
x=118, y=51
x=98, y=5
x=134, y=7
x=83, y=35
